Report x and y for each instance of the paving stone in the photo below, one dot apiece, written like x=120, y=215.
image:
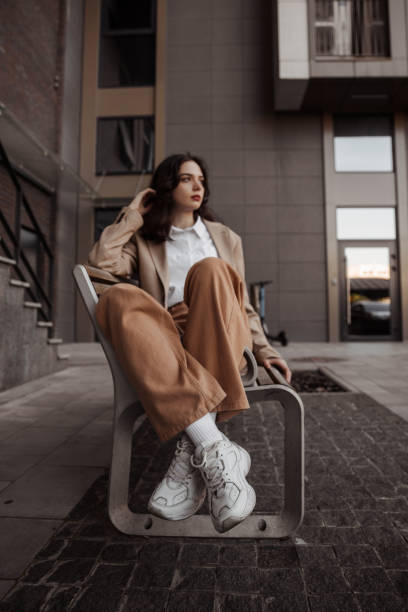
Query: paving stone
x=394, y=556
x=69, y=572
x=339, y=518
x=400, y=582
x=334, y=602
x=26, y=598
x=192, y=579
x=356, y=556
x=278, y=582
x=154, y=576
x=368, y=579
x=61, y=599
x=53, y=549
x=37, y=571
x=201, y=601
x=95, y=599
x=80, y=549
x=288, y=602
x=316, y=556
x=237, y=580
x=238, y=603
x=120, y=552
x=201, y=554
x=379, y=602
x=150, y=600
x=238, y=554
x=329, y=580
x=159, y=553
x=116, y=576
x=271, y=556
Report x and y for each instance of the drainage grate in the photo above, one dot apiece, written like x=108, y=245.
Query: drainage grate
x=315, y=381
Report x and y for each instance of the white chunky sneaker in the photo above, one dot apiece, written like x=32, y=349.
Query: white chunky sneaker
x=182, y=491
x=224, y=466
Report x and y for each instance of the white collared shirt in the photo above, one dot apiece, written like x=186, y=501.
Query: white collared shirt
x=183, y=250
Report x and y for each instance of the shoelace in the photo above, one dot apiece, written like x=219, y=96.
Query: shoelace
x=213, y=471
x=180, y=467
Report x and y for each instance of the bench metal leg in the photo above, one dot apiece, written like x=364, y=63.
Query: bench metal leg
x=255, y=526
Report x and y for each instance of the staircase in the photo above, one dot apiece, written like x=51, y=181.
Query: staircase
x=28, y=348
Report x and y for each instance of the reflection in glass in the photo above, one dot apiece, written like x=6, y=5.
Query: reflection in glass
x=363, y=143
x=368, y=291
x=363, y=154
x=366, y=223
x=125, y=145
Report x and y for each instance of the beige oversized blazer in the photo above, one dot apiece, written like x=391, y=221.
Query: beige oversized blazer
x=123, y=251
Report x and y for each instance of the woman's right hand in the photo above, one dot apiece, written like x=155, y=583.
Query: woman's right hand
x=141, y=201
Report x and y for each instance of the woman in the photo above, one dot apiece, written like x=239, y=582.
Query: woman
x=181, y=334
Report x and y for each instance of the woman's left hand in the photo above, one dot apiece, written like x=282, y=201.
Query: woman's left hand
x=280, y=364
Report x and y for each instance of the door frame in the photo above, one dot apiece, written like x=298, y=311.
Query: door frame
x=395, y=334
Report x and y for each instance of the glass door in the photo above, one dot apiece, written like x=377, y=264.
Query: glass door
x=369, y=301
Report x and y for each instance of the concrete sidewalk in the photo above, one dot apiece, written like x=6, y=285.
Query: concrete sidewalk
x=58, y=550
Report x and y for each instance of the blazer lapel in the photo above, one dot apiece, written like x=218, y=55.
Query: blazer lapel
x=219, y=234
x=158, y=254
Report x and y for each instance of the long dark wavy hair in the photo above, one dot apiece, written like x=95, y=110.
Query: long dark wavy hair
x=157, y=221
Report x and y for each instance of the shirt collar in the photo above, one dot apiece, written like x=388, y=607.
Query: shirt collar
x=198, y=227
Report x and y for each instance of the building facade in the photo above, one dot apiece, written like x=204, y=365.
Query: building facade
x=298, y=108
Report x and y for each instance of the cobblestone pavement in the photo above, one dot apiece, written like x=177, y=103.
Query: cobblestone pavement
x=351, y=554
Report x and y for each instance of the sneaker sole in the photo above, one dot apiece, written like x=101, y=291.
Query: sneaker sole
x=161, y=512
x=232, y=521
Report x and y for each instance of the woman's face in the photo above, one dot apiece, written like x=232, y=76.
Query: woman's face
x=189, y=193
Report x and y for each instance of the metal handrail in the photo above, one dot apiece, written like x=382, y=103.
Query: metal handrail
x=14, y=249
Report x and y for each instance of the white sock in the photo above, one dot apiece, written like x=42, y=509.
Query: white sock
x=204, y=430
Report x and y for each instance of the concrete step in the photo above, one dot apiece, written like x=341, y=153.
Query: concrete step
x=19, y=283
x=32, y=305
x=7, y=260
x=45, y=324
x=54, y=340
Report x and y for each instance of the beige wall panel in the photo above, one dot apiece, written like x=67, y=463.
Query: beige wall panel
x=227, y=135
x=227, y=191
x=189, y=83
x=183, y=137
x=233, y=216
x=300, y=190
x=300, y=219
x=260, y=248
x=228, y=163
x=260, y=162
x=363, y=188
x=261, y=134
x=261, y=219
x=186, y=109
x=303, y=306
x=125, y=101
x=228, y=109
x=184, y=31
x=261, y=190
x=303, y=276
x=301, y=248
x=310, y=331
x=187, y=57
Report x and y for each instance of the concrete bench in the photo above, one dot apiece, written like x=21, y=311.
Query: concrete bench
x=91, y=283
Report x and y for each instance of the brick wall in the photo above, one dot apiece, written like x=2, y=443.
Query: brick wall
x=31, y=52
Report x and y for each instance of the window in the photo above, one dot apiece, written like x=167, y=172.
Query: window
x=350, y=28
x=125, y=145
x=366, y=223
x=363, y=143
x=127, y=43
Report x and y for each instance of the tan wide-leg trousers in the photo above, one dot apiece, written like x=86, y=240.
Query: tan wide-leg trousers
x=179, y=380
